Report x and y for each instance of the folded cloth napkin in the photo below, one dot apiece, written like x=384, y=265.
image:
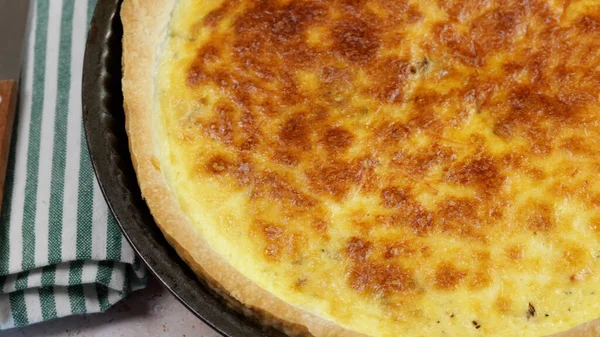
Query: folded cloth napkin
x=61, y=251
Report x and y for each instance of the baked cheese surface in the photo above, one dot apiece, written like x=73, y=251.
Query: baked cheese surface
x=414, y=168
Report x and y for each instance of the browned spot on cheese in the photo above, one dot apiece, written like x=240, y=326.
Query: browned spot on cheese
x=391, y=133
x=461, y=9
x=279, y=188
x=372, y=276
x=595, y=223
x=527, y=105
x=404, y=249
x=494, y=29
x=356, y=40
x=460, y=46
x=416, y=164
x=250, y=133
x=337, y=139
x=574, y=256
x=218, y=164
x=448, y=276
x=513, y=160
x=503, y=305
x=588, y=24
x=272, y=251
x=272, y=232
x=206, y=56
x=394, y=197
x=409, y=213
x=577, y=145
x=489, y=32
x=535, y=173
x=300, y=283
x=381, y=278
x=282, y=23
x=413, y=14
x=357, y=249
x=275, y=240
x=515, y=252
x=479, y=172
x=295, y=132
x=320, y=225
x=334, y=74
x=480, y=280
x=244, y=172
x=281, y=242
x=419, y=219
x=460, y=217
x=288, y=158
x=540, y=218
x=195, y=76
x=394, y=8
x=390, y=74
x=424, y=116
x=216, y=15
x=335, y=178
x=221, y=127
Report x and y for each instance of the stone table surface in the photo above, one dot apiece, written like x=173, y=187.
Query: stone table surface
x=149, y=312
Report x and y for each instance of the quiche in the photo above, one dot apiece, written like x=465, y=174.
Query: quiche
x=376, y=168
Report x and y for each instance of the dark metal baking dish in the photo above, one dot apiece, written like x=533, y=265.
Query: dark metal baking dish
x=104, y=124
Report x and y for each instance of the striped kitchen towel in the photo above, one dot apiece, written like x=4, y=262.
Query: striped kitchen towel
x=61, y=252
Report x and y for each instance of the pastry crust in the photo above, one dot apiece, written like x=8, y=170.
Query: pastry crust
x=145, y=23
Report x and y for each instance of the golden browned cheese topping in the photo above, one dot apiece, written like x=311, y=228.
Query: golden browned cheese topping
x=428, y=167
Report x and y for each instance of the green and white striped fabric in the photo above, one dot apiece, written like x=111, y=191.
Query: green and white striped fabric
x=61, y=252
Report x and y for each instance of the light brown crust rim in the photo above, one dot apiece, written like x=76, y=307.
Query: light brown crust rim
x=143, y=24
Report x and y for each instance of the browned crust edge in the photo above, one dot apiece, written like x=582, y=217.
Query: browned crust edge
x=143, y=25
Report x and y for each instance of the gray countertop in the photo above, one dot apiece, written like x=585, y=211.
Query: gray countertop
x=149, y=312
